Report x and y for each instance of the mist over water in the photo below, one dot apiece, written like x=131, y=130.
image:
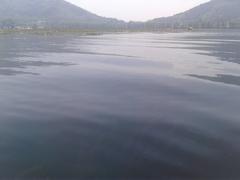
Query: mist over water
x=120, y=106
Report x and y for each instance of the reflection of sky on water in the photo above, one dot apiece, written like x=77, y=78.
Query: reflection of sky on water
x=201, y=55
x=127, y=106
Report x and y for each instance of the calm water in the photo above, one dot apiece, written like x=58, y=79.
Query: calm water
x=127, y=106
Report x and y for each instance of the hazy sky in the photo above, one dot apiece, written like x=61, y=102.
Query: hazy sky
x=137, y=10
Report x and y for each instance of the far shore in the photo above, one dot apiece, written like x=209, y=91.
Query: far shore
x=87, y=32
x=50, y=31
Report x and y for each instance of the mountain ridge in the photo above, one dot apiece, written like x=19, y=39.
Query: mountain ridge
x=55, y=13
x=213, y=14
x=63, y=14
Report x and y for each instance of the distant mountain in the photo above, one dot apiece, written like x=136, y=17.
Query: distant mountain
x=59, y=13
x=56, y=13
x=214, y=14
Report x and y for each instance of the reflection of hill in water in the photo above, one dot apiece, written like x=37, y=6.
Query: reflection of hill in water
x=225, y=47
x=227, y=79
x=17, y=52
x=115, y=117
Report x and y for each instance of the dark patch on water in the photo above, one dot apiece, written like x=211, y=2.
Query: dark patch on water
x=98, y=112
x=228, y=79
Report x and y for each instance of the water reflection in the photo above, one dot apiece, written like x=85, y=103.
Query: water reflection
x=10, y=72
x=124, y=110
x=17, y=53
x=225, y=46
x=227, y=79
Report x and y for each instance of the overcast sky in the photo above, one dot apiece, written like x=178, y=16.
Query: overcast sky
x=137, y=10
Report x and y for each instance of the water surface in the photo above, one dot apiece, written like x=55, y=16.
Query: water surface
x=127, y=106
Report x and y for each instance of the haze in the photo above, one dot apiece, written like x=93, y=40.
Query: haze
x=137, y=10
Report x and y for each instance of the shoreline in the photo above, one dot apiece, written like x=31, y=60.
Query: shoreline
x=49, y=32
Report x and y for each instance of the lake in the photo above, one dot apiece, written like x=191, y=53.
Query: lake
x=120, y=106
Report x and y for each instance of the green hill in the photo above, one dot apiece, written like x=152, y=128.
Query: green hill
x=51, y=13
x=214, y=14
